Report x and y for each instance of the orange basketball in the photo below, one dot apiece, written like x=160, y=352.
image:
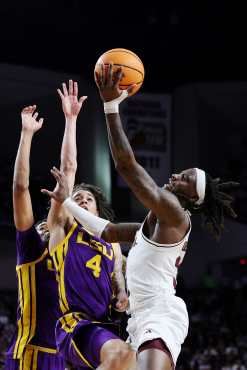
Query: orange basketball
x=131, y=64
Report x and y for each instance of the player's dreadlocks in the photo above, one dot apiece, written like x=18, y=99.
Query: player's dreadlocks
x=104, y=208
x=216, y=205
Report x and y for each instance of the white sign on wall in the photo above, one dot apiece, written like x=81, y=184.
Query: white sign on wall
x=146, y=120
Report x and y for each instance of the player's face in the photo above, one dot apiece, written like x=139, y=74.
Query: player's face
x=86, y=200
x=184, y=184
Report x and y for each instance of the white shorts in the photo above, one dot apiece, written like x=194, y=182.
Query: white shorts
x=167, y=320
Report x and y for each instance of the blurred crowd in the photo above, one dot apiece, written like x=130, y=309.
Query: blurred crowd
x=8, y=301
x=217, y=338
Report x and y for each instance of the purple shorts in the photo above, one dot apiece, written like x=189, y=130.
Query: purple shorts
x=33, y=359
x=80, y=341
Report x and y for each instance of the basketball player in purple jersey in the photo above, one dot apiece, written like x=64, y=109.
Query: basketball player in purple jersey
x=33, y=345
x=159, y=319
x=85, y=265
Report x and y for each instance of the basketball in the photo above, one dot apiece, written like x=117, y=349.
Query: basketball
x=131, y=64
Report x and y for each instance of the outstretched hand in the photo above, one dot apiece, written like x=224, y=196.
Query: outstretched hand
x=108, y=82
x=61, y=191
x=30, y=121
x=70, y=103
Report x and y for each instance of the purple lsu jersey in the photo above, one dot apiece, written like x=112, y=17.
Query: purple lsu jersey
x=84, y=265
x=38, y=302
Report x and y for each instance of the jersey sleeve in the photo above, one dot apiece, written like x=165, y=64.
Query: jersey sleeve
x=29, y=246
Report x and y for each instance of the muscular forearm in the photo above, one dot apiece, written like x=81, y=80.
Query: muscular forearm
x=122, y=152
x=69, y=150
x=118, y=282
x=22, y=163
x=68, y=166
x=118, y=277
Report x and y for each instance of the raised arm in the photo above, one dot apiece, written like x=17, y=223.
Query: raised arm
x=164, y=204
x=110, y=232
x=23, y=211
x=71, y=106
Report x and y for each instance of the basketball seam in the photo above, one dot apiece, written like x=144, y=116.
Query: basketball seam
x=125, y=51
x=123, y=65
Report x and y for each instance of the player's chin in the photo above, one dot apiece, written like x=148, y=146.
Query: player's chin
x=170, y=188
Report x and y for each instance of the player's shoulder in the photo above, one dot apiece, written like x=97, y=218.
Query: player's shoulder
x=28, y=235
x=30, y=246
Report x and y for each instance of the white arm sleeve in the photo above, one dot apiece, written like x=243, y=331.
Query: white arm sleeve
x=91, y=222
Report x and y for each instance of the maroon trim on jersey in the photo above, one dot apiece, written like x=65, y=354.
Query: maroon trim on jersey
x=183, y=241
x=157, y=343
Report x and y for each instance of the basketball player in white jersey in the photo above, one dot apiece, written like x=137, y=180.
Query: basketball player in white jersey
x=159, y=321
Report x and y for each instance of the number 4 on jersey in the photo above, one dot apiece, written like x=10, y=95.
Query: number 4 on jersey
x=94, y=265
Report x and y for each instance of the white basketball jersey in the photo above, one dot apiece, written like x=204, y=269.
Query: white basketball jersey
x=152, y=269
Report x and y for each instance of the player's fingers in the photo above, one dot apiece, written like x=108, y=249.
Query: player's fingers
x=97, y=79
x=60, y=93
x=118, y=76
x=32, y=108
x=70, y=87
x=25, y=110
x=109, y=74
x=120, y=308
x=29, y=109
x=65, y=91
x=131, y=88
x=47, y=192
x=75, y=88
x=102, y=74
x=55, y=172
x=41, y=120
x=35, y=115
x=82, y=99
x=60, y=175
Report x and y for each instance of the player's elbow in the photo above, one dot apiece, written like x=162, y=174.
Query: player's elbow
x=109, y=234
x=70, y=168
x=20, y=187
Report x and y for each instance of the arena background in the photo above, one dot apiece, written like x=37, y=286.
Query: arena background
x=194, y=57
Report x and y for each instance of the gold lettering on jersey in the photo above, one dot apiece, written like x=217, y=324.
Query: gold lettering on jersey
x=110, y=256
x=80, y=240
x=95, y=245
x=101, y=248
x=98, y=246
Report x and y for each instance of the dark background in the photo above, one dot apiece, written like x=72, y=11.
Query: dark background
x=179, y=41
x=193, y=51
